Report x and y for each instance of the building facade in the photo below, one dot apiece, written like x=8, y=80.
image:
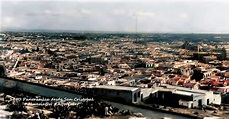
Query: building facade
x=185, y=97
x=118, y=93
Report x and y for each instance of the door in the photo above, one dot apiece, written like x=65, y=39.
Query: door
x=135, y=97
x=207, y=101
x=199, y=102
x=142, y=97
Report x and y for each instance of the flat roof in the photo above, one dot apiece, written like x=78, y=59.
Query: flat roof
x=124, y=88
x=186, y=93
x=183, y=89
x=226, y=87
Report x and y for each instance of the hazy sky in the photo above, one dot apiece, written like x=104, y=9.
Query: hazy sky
x=185, y=16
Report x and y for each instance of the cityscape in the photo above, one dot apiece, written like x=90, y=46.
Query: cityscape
x=47, y=72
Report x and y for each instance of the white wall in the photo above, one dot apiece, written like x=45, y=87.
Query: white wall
x=217, y=99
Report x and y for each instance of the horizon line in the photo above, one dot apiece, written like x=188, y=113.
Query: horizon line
x=98, y=31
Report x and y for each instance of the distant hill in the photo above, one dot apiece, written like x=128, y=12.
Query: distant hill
x=140, y=37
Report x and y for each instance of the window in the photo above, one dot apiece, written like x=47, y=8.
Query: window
x=139, y=94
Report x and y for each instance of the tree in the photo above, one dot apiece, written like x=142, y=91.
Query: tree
x=197, y=75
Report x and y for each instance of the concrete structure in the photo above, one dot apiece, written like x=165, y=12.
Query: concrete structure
x=145, y=93
x=37, y=89
x=185, y=97
x=121, y=93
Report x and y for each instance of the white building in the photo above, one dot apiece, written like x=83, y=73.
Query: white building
x=179, y=96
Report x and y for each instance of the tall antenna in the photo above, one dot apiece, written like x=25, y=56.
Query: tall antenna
x=136, y=23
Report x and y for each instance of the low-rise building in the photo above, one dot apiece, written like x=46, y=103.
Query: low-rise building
x=178, y=96
x=120, y=93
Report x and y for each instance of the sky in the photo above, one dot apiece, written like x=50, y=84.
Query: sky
x=164, y=16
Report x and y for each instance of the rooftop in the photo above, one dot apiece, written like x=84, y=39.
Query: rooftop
x=187, y=93
x=117, y=88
